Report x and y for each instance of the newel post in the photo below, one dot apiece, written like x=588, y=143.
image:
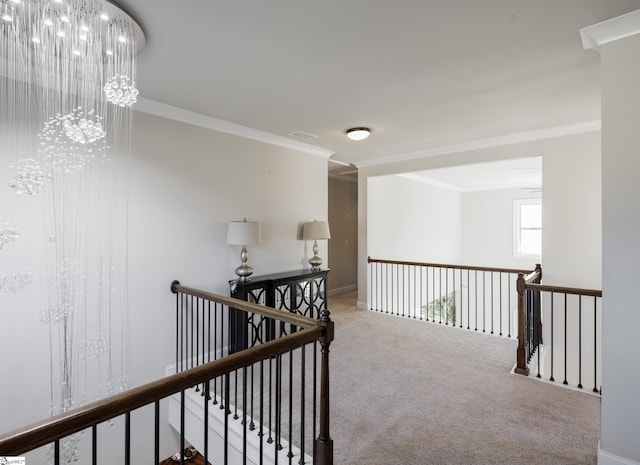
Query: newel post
x=323, y=454
x=521, y=351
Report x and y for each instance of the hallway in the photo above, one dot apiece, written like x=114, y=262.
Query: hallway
x=408, y=392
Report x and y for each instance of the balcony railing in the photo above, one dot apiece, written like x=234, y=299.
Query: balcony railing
x=477, y=298
x=204, y=367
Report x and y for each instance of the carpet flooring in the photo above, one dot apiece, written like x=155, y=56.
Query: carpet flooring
x=409, y=392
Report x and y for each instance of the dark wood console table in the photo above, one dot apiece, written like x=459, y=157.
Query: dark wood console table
x=301, y=291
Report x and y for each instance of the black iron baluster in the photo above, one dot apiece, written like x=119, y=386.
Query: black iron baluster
x=565, y=340
x=215, y=349
x=379, y=279
x=386, y=287
x=183, y=333
x=595, y=344
x=538, y=375
x=372, y=267
x=290, y=436
x=252, y=425
x=421, y=299
x=156, y=432
x=278, y=419
x=415, y=291
x=270, y=429
x=580, y=341
x=127, y=438
x=401, y=290
x=551, y=346
x=315, y=406
x=468, y=298
x=492, y=302
x=261, y=413
x=227, y=412
x=397, y=291
x=182, y=427
x=197, y=318
x=94, y=445
x=475, y=272
x=244, y=415
x=446, y=295
x=484, y=301
x=56, y=452
x=303, y=391
x=206, y=422
x=500, y=286
x=509, y=305
x=190, y=363
x=178, y=312
x=439, y=294
x=235, y=395
x=461, y=298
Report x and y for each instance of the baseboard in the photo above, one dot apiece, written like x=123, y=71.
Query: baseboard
x=342, y=290
x=362, y=305
x=607, y=458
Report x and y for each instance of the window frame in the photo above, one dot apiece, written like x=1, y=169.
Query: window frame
x=517, y=203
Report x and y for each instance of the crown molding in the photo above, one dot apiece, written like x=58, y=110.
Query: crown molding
x=610, y=30
x=516, y=138
x=164, y=110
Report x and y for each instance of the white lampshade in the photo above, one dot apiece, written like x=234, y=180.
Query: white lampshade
x=315, y=230
x=244, y=233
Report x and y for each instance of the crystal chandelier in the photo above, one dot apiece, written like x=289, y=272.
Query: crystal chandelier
x=67, y=87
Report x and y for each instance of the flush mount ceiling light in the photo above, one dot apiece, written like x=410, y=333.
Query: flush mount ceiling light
x=358, y=133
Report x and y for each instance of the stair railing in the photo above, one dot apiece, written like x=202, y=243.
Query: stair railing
x=477, y=298
x=529, y=319
x=308, y=331
x=572, y=329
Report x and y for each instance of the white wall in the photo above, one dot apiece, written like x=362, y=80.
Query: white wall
x=521, y=150
x=621, y=249
x=487, y=228
x=413, y=221
x=186, y=183
x=572, y=211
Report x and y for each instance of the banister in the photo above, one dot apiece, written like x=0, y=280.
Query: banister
x=564, y=290
x=534, y=275
x=450, y=266
x=57, y=427
x=287, y=317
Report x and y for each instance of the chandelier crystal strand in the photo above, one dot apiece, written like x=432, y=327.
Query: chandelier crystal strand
x=67, y=70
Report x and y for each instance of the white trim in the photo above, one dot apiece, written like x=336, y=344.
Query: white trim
x=611, y=30
x=362, y=305
x=427, y=180
x=527, y=136
x=152, y=107
x=607, y=458
x=342, y=290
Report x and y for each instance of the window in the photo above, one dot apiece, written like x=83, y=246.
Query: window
x=527, y=228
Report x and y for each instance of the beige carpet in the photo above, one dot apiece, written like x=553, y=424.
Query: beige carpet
x=409, y=392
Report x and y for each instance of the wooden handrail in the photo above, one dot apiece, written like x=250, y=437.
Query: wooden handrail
x=534, y=275
x=287, y=317
x=564, y=290
x=57, y=427
x=442, y=265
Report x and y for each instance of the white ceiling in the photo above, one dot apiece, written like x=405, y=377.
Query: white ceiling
x=422, y=74
x=518, y=173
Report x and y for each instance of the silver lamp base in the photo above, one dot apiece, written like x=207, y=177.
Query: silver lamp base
x=244, y=270
x=315, y=261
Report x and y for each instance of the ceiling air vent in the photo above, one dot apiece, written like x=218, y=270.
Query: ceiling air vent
x=303, y=135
